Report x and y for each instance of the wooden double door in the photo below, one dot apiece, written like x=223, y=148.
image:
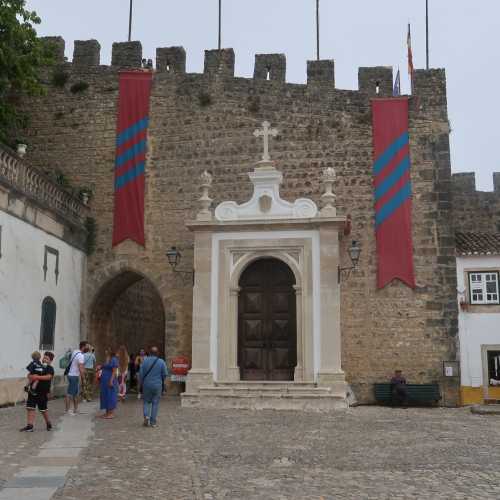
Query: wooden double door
x=267, y=322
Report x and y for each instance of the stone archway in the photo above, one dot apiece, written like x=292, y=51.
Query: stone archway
x=127, y=309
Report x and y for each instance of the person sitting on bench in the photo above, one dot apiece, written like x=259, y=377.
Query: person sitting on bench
x=399, y=391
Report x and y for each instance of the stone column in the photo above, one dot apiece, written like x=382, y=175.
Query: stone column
x=233, y=370
x=299, y=369
x=330, y=373
x=201, y=373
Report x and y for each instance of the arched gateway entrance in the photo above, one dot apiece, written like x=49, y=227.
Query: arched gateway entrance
x=267, y=322
x=127, y=311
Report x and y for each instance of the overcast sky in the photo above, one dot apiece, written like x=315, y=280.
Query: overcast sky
x=465, y=37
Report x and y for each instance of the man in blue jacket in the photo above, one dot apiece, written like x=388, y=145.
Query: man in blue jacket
x=152, y=376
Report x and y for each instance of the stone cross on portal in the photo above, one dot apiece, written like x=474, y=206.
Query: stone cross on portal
x=265, y=132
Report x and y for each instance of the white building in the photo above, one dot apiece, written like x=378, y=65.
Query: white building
x=42, y=237
x=478, y=269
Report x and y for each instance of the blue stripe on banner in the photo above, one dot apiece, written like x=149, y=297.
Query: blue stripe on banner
x=391, y=179
x=390, y=152
x=129, y=175
x=129, y=132
x=130, y=153
x=393, y=204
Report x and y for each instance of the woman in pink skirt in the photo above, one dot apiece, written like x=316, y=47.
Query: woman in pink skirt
x=123, y=358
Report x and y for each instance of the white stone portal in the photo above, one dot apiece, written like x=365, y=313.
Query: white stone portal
x=266, y=202
x=226, y=244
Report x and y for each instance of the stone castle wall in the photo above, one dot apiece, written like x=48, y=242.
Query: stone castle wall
x=205, y=121
x=476, y=211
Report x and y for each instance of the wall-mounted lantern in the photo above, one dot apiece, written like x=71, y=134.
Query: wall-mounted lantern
x=354, y=253
x=174, y=258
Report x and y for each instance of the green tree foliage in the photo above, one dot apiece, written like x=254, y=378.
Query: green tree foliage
x=21, y=56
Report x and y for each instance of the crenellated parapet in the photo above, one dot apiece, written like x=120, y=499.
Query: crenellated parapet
x=219, y=62
x=57, y=44
x=372, y=81
x=127, y=54
x=465, y=183
x=376, y=81
x=270, y=67
x=171, y=60
x=87, y=53
x=473, y=210
x=321, y=71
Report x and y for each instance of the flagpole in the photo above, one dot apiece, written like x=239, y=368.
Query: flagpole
x=317, y=30
x=220, y=22
x=427, y=32
x=130, y=21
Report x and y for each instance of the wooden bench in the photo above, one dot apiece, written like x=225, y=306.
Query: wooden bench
x=417, y=393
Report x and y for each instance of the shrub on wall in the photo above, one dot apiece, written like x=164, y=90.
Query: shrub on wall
x=59, y=78
x=204, y=99
x=79, y=87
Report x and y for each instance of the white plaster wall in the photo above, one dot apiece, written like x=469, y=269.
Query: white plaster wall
x=22, y=290
x=475, y=329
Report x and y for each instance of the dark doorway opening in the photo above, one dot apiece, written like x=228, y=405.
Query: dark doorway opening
x=267, y=322
x=128, y=311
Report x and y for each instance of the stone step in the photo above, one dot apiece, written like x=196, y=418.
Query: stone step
x=264, y=401
x=486, y=409
x=258, y=389
x=265, y=395
x=266, y=383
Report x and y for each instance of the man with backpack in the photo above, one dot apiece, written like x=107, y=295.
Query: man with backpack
x=152, y=376
x=75, y=371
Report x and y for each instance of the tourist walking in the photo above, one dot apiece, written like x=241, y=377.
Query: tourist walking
x=40, y=398
x=123, y=359
x=138, y=363
x=109, y=384
x=152, y=376
x=132, y=375
x=88, y=381
x=75, y=372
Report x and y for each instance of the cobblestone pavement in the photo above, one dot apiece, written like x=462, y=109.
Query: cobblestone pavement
x=17, y=447
x=365, y=452
x=362, y=453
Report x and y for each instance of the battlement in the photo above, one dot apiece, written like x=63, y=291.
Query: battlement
x=372, y=81
x=465, y=182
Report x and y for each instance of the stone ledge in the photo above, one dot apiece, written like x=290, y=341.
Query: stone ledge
x=274, y=224
x=262, y=389
x=486, y=409
x=294, y=402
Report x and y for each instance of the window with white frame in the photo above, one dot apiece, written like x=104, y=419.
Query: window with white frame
x=483, y=287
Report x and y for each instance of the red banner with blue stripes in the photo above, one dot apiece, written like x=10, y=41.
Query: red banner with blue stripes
x=392, y=185
x=130, y=162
